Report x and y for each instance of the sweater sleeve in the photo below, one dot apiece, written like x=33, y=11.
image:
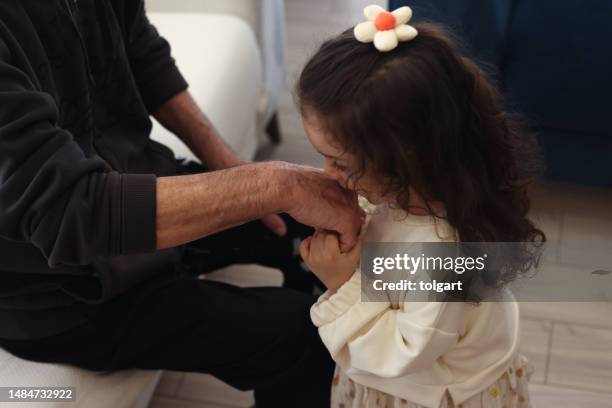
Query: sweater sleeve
x=53, y=196
x=374, y=338
x=157, y=76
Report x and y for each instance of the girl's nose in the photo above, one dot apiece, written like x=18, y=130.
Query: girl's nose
x=339, y=177
x=331, y=172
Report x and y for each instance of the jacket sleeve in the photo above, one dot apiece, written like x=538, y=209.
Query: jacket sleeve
x=52, y=195
x=157, y=76
x=374, y=338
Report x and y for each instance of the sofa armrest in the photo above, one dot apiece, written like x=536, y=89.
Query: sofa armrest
x=218, y=56
x=267, y=20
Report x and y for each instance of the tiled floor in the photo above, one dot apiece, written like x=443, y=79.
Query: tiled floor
x=569, y=343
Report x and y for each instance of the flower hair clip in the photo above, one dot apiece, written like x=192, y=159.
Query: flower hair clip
x=385, y=29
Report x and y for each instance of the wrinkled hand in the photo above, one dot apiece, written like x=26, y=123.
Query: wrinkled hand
x=319, y=201
x=321, y=252
x=273, y=221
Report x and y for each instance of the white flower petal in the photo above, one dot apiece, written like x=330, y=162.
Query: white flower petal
x=370, y=12
x=364, y=32
x=385, y=40
x=402, y=15
x=406, y=32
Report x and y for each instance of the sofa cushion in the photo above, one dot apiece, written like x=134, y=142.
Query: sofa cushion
x=123, y=389
x=219, y=57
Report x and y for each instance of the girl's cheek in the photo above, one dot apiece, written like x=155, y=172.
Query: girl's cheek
x=372, y=191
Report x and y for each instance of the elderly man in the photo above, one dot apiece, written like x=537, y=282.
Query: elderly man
x=103, y=234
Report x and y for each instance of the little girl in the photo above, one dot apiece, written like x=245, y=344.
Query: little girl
x=406, y=121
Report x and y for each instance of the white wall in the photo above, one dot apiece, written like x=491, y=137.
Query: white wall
x=359, y=5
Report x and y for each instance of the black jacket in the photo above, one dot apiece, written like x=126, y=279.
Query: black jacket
x=78, y=80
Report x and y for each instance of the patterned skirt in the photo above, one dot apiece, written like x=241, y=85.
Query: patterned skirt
x=508, y=391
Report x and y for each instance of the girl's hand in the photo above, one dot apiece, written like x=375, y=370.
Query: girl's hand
x=321, y=252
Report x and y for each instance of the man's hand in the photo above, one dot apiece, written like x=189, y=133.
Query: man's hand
x=321, y=252
x=273, y=221
x=193, y=206
x=182, y=116
x=319, y=201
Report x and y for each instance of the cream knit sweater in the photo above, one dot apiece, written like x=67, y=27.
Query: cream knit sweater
x=417, y=350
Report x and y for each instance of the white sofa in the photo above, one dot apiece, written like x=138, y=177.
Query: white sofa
x=267, y=20
x=131, y=388
x=220, y=59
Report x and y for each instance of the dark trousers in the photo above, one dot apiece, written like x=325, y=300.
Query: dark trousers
x=251, y=338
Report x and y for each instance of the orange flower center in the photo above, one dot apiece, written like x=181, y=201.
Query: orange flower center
x=385, y=21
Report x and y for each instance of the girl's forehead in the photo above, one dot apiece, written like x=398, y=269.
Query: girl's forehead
x=320, y=137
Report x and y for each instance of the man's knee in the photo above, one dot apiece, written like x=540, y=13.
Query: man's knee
x=284, y=316
x=262, y=317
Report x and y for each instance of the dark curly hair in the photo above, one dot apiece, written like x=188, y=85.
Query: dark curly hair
x=425, y=116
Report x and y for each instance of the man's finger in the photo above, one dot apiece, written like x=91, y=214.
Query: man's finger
x=348, y=240
x=276, y=224
x=356, y=251
x=305, y=248
x=348, y=237
x=362, y=215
